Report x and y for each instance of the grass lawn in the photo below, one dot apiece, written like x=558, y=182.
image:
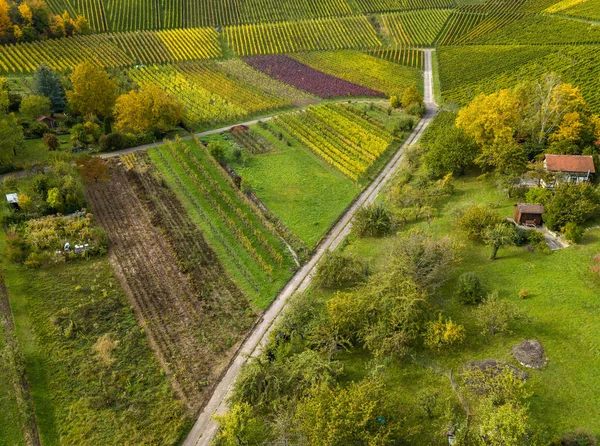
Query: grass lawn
x=34, y=151
x=9, y=411
x=83, y=394
x=300, y=188
x=563, y=308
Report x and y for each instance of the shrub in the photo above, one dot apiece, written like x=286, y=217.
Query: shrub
x=395, y=101
x=216, y=150
x=112, y=141
x=373, y=221
x=411, y=96
x=475, y=219
x=573, y=232
x=524, y=293
x=578, y=438
x=38, y=129
x=338, y=270
x=415, y=109
x=443, y=333
x=469, y=290
x=51, y=141
x=404, y=125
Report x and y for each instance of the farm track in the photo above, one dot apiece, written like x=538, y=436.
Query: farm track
x=205, y=427
x=179, y=321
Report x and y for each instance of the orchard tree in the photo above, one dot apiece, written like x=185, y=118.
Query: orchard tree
x=410, y=96
x=33, y=106
x=150, y=108
x=494, y=315
x=46, y=82
x=94, y=92
x=571, y=203
x=93, y=168
x=497, y=236
x=51, y=141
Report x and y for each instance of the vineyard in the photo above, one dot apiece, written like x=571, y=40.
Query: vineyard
x=340, y=135
x=416, y=27
x=301, y=76
x=210, y=94
x=325, y=34
x=245, y=242
x=402, y=55
x=192, y=313
x=372, y=72
x=506, y=66
x=589, y=9
x=111, y=50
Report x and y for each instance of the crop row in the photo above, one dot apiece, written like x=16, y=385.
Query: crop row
x=229, y=213
x=307, y=35
x=252, y=142
x=346, y=141
x=416, y=27
x=403, y=55
x=369, y=6
x=209, y=94
x=293, y=72
x=111, y=50
x=362, y=69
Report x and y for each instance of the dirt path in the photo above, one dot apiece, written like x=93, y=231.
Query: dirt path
x=205, y=427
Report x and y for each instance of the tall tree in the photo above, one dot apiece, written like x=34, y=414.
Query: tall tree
x=46, y=82
x=94, y=92
x=491, y=119
x=147, y=109
x=34, y=105
x=11, y=137
x=5, y=21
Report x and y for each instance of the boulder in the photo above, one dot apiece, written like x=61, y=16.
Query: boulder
x=530, y=353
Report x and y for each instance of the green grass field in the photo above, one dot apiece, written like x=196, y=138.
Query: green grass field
x=563, y=308
x=306, y=193
x=9, y=411
x=81, y=397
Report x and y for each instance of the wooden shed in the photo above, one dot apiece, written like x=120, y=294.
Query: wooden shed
x=529, y=214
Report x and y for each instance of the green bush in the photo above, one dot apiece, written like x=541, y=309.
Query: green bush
x=373, y=221
x=475, y=219
x=469, y=290
x=338, y=270
x=573, y=232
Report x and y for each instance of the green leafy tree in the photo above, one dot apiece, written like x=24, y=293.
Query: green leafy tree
x=469, y=289
x=475, y=219
x=339, y=270
x=505, y=158
x=497, y=236
x=46, y=82
x=240, y=427
x=4, y=95
x=571, y=203
x=356, y=414
x=33, y=106
x=11, y=138
x=55, y=199
x=494, y=315
x=411, y=95
x=453, y=151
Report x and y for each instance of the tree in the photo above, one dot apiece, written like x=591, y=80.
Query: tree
x=506, y=158
x=355, y=414
x=491, y=119
x=81, y=26
x=5, y=21
x=373, y=221
x=51, y=141
x=469, y=290
x=443, y=333
x=33, y=106
x=497, y=236
x=475, y=219
x=339, y=270
x=395, y=101
x=94, y=92
x=240, y=427
x=11, y=138
x=93, y=168
x=46, y=82
x=55, y=199
x=217, y=151
x=150, y=108
x=494, y=315
x=452, y=151
x=571, y=203
x=4, y=96
x=411, y=95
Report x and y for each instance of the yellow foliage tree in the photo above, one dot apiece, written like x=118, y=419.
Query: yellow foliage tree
x=5, y=22
x=25, y=13
x=491, y=119
x=149, y=108
x=569, y=129
x=94, y=92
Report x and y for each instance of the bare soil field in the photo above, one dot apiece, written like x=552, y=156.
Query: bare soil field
x=193, y=314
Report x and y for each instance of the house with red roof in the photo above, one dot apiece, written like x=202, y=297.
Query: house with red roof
x=569, y=168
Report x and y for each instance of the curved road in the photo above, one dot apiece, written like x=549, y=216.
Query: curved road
x=205, y=427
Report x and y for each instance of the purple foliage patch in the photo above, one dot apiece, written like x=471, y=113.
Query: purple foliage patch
x=306, y=78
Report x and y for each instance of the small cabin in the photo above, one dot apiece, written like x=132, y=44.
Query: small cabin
x=50, y=122
x=13, y=200
x=569, y=168
x=528, y=214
